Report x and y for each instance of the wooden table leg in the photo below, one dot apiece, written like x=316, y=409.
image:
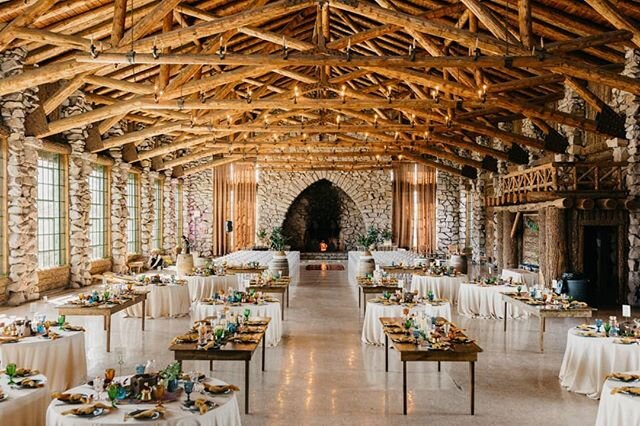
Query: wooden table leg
x=505, y=316
x=287, y=290
x=404, y=387
x=541, y=334
x=439, y=367
x=144, y=311
x=282, y=309
x=210, y=365
x=359, y=298
x=386, y=353
x=364, y=300
x=544, y=325
x=472, y=371
x=264, y=345
x=246, y=386
x=107, y=322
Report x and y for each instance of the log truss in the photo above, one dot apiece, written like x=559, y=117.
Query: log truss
x=329, y=83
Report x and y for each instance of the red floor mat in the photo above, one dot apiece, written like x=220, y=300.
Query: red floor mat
x=325, y=267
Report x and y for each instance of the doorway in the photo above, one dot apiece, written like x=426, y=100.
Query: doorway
x=601, y=265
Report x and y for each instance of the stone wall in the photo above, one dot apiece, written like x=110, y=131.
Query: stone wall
x=22, y=185
x=370, y=191
x=573, y=104
x=448, y=204
x=169, y=191
x=119, y=211
x=198, y=204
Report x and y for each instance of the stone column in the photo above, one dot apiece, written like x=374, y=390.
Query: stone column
x=79, y=194
x=571, y=103
x=629, y=104
x=147, y=202
x=198, y=193
x=447, y=211
x=169, y=192
x=478, y=220
x=119, y=211
x=22, y=185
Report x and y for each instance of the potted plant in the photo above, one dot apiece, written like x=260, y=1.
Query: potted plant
x=170, y=374
x=386, y=236
x=262, y=237
x=369, y=239
x=279, y=265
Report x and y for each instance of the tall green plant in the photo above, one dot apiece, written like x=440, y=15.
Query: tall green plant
x=369, y=238
x=277, y=240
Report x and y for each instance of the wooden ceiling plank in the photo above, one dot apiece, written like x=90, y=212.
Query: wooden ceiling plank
x=615, y=17
x=24, y=19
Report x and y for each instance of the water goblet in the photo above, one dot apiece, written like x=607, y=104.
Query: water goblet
x=61, y=320
x=112, y=393
x=188, y=388
x=598, y=324
x=607, y=328
x=247, y=313
x=109, y=375
x=98, y=387
x=11, y=372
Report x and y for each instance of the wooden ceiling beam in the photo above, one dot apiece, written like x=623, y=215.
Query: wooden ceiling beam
x=524, y=23
x=615, y=18
x=212, y=164
x=118, y=26
x=133, y=137
x=499, y=29
x=26, y=18
x=276, y=38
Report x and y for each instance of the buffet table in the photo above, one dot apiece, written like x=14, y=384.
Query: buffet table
x=202, y=310
x=485, y=301
x=588, y=360
x=445, y=287
x=521, y=276
x=62, y=360
x=168, y=300
x=372, y=332
x=225, y=413
x=618, y=409
x=279, y=286
x=204, y=287
x=23, y=406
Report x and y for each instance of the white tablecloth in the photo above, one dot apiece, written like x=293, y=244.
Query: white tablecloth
x=204, y=287
x=163, y=301
x=442, y=287
x=520, y=276
x=486, y=301
x=63, y=360
x=24, y=407
x=271, y=310
x=372, y=331
x=243, y=257
x=588, y=360
x=227, y=414
x=618, y=409
x=381, y=258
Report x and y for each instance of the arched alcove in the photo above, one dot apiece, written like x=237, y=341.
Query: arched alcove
x=322, y=212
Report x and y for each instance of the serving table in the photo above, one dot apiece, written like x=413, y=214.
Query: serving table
x=442, y=286
x=543, y=311
x=202, y=310
x=164, y=300
x=62, y=360
x=24, y=406
x=225, y=413
x=232, y=351
x=279, y=286
x=485, y=301
x=205, y=286
x=517, y=275
x=372, y=331
x=618, y=409
x=106, y=311
x=367, y=286
x=588, y=360
x=459, y=352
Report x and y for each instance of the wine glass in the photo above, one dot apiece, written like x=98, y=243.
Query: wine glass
x=188, y=388
x=598, y=324
x=11, y=372
x=607, y=328
x=98, y=387
x=109, y=375
x=112, y=393
x=61, y=320
x=247, y=313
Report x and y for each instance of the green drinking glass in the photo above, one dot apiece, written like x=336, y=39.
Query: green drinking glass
x=61, y=320
x=11, y=372
x=607, y=328
x=247, y=314
x=112, y=393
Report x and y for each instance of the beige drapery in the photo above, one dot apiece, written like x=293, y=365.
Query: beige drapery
x=244, y=206
x=414, y=221
x=234, y=198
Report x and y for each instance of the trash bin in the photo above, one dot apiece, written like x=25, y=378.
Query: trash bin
x=576, y=286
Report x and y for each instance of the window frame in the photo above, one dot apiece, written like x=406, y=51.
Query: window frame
x=157, y=227
x=107, y=211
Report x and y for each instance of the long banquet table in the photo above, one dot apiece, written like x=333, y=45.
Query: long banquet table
x=225, y=413
x=202, y=310
x=62, y=360
x=204, y=287
x=522, y=276
x=165, y=300
x=588, y=360
x=618, y=409
x=381, y=258
x=243, y=257
x=24, y=406
x=485, y=301
x=442, y=286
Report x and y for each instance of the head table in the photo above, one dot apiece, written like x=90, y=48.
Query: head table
x=62, y=360
x=225, y=413
x=485, y=301
x=618, y=409
x=202, y=310
x=588, y=360
x=24, y=406
x=372, y=331
x=446, y=287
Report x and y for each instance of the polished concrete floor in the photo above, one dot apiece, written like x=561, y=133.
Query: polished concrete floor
x=321, y=373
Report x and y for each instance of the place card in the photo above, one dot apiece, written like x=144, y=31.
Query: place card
x=626, y=311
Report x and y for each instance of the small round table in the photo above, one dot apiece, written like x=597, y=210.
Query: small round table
x=618, y=409
x=169, y=300
x=24, y=406
x=201, y=310
x=62, y=360
x=227, y=413
x=485, y=301
x=372, y=332
x=588, y=360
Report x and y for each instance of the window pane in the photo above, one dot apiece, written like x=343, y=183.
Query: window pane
x=133, y=205
x=98, y=213
x=51, y=211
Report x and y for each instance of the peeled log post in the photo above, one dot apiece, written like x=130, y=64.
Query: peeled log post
x=607, y=203
x=509, y=245
x=585, y=204
x=514, y=228
x=632, y=203
x=498, y=237
x=542, y=246
x=556, y=242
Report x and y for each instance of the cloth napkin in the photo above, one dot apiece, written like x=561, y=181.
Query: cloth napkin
x=85, y=411
x=624, y=377
x=72, y=398
x=219, y=389
x=146, y=414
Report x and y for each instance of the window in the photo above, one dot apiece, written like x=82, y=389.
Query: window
x=51, y=211
x=133, y=205
x=98, y=214
x=156, y=232
x=179, y=219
